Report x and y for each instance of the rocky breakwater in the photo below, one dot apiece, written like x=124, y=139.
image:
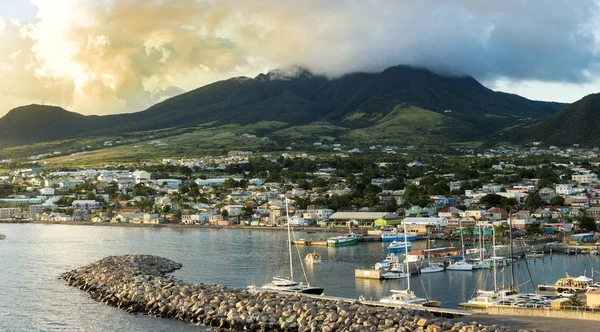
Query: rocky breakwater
x=140, y=284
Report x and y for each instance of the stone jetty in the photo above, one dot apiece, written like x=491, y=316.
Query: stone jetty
x=141, y=284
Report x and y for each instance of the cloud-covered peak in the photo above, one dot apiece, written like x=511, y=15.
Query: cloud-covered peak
x=123, y=55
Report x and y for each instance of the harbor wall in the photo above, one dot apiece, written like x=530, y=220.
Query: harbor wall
x=524, y=312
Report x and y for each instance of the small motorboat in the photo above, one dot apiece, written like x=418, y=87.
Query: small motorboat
x=2, y=236
x=395, y=275
x=313, y=257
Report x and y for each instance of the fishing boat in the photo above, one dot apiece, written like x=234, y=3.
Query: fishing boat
x=399, y=245
x=313, y=257
x=2, y=236
x=288, y=284
x=406, y=296
x=343, y=240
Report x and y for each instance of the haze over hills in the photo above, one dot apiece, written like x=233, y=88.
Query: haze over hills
x=399, y=104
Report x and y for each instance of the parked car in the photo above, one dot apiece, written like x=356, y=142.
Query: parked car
x=566, y=294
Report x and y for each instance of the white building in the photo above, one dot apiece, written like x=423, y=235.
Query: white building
x=140, y=176
x=85, y=205
x=47, y=191
x=563, y=189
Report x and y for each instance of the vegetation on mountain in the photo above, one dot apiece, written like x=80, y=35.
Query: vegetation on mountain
x=399, y=104
x=576, y=123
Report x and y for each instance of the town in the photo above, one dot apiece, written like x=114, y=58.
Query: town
x=538, y=190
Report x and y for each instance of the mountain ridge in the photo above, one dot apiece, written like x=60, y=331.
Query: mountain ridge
x=295, y=96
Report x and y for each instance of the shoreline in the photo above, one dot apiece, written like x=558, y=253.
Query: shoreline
x=264, y=228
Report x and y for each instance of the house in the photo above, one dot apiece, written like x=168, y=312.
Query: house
x=496, y=214
x=451, y=212
x=475, y=214
x=521, y=219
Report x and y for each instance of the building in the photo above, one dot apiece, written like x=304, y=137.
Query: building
x=7, y=213
x=362, y=218
x=47, y=191
x=239, y=154
x=593, y=212
x=317, y=213
x=563, y=189
x=141, y=176
x=585, y=178
x=85, y=205
x=436, y=222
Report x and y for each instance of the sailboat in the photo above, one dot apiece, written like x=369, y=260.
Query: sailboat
x=480, y=263
x=487, y=298
x=406, y=296
x=461, y=265
x=288, y=284
x=431, y=267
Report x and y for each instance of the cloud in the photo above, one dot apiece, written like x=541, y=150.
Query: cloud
x=113, y=56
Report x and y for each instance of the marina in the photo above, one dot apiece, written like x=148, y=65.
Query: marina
x=259, y=258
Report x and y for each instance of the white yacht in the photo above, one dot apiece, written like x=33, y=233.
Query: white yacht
x=432, y=268
x=407, y=297
x=460, y=266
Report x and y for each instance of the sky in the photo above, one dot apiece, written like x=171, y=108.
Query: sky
x=115, y=56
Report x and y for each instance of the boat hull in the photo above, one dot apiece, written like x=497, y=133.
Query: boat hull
x=341, y=243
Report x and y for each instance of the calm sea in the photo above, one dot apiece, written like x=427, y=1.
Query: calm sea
x=32, y=257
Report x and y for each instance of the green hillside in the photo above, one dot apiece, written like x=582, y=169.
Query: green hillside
x=306, y=107
x=577, y=123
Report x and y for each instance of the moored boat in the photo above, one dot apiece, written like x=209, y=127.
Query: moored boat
x=535, y=254
x=343, y=240
x=400, y=245
x=2, y=236
x=460, y=266
x=432, y=268
x=407, y=297
x=288, y=284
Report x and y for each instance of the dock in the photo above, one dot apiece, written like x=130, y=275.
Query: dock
x=437, y=311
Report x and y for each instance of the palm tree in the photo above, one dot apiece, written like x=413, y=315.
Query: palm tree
x=574, y=301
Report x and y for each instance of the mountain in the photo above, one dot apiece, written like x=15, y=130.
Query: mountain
x=577, y=123
x=460, y=107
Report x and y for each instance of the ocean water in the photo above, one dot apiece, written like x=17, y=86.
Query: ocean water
x=33, y=256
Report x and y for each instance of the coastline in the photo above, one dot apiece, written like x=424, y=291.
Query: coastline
x=263, y=228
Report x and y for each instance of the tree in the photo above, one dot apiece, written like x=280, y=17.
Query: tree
x=574, y=301
x=532, y=228
x=557, y=200
x=533, y=201
x=587, y=224
x=224, y=213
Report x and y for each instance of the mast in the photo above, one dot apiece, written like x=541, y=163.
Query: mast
x=406, y=259
x=512, y=262
x=494, y=253
x=287, y=218
x=462, y=241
